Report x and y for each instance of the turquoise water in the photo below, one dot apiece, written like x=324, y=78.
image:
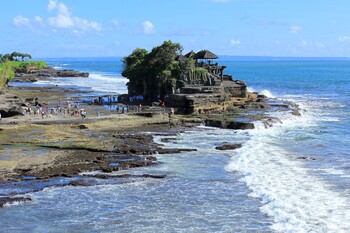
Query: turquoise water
x=292, y=177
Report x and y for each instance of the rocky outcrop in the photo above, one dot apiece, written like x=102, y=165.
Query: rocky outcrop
x=11, y=200
x=229, y=125
x=10, y=105
x=229, y=147
x=47, y=72
x=240, y=125
x=215, y=99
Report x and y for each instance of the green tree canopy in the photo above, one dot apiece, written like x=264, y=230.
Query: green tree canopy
x=149, y=72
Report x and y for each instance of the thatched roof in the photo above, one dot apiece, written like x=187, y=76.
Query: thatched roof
x=180, y=58
x=205, y=54
x=190, y=54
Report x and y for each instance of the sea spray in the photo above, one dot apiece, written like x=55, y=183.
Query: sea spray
x=297, y=200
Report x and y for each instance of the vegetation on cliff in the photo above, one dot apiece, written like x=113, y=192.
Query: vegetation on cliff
x=150, y=72
x=164, y=70
x=10, y=63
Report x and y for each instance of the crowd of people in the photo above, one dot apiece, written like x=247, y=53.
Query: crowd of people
x=69, y=108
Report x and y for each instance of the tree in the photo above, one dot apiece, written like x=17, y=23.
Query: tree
x=134, y=67
x=149, y=73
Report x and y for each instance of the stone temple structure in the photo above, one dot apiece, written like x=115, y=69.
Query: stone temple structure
x=213, y=92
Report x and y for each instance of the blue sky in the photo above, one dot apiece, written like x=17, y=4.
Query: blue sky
x=90, y=28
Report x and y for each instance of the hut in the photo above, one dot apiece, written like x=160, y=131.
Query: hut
x=190, y=54
x=205, y=55
x=180, y=58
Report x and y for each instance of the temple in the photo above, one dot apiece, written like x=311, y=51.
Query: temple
x=205, y=89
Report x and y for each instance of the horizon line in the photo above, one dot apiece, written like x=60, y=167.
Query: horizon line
x=220, y=57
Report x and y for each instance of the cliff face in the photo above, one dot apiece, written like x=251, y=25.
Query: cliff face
x=211, y=99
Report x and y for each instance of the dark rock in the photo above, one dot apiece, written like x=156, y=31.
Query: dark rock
x=151, y=158
x=229, y=147
x=107, y=169
x=167, y=139
x=154, y=176
x=83, y=182
x=269, y=122
x=215, y=123
x=296, y=113
x=173, y=150
x=240, y=125
x=82, y=127
x=33, y=75
x=10, y=200
x=28, y=78
x=306, y=158
x=10, y=105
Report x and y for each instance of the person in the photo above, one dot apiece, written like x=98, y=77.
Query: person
x=172, y=110
x=83, y=113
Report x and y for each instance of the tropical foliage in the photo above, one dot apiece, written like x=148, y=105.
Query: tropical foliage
x=152, y=73
x=9, y=64
x=15, y=56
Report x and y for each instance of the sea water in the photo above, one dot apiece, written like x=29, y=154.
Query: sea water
x=292, y=177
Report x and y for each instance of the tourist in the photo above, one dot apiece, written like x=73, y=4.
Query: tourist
x=82, y=113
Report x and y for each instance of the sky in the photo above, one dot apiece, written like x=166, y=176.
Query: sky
x=108, y=28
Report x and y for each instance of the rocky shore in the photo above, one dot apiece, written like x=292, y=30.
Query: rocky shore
x=35, y=75
x=33, y=149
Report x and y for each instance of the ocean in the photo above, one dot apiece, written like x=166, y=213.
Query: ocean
x=292, y=177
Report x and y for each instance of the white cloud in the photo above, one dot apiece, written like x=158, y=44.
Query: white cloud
x=38, y=20
x=21, y=21
x=235, y=42
x=65, y=20
x=312, y=44
x=303, y=43
x=148, y=27
x=62, y=20
x=295, y=29
x=60, y=7
x=344, y=38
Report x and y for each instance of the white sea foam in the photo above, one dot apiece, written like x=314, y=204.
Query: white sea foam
x=297, y=200
x=250, y=89
x=267, y=93
x=95, y=81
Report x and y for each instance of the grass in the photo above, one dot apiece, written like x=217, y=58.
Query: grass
x=7, y=69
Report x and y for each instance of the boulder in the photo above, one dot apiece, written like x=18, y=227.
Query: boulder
x=229, y=147
x=240, y=125
x=10, y=105
x=11, y=200
x=215, y=123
